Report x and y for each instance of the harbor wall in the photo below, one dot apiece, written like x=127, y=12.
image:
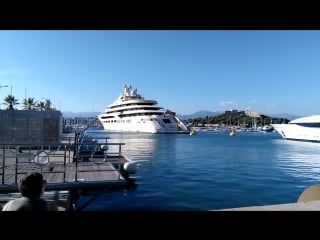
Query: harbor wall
x=30, y=127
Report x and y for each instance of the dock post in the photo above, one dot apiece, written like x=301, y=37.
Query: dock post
x=75, y=150
x=76, y=173
x=3, y=163
x=69, y=148
x=16, y=170
x=73, y=196
x=64, y=163
x=76, y=157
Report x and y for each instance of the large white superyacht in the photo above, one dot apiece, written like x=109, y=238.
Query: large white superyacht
x=302, y=129
x=131, y=112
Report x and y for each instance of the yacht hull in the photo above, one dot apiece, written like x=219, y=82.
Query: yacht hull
x=302, y=129
x=165, y=124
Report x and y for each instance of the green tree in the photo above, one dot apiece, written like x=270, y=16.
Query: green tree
x=29, y=103
x=10, y=101
x=41, y=105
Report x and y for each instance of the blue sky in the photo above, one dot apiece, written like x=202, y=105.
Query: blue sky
x=184, y=70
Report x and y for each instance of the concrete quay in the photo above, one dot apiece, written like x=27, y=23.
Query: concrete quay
x=298, y=206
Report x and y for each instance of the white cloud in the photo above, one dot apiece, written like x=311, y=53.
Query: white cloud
x=227, y=103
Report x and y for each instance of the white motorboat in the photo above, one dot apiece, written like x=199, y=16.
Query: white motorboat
x=131, y=112
x=303, y=129
x=267, y=128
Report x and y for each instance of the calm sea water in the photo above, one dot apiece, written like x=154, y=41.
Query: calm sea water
x=210, y=171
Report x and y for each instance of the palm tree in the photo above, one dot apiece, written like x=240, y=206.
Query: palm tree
x=41, y=105
x=29, y=103
x=10, y=101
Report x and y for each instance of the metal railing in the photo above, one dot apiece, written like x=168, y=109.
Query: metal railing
x=70, y=150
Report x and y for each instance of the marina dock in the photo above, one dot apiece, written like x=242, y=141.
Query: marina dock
x=63, y=167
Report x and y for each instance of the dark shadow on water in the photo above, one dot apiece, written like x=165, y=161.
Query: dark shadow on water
x=88, y=196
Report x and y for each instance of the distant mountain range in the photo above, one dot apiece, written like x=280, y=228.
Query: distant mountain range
x=199, y=114
x=283, y=115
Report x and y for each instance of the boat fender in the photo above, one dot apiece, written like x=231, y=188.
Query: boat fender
x=130, y=167
x=104, y=147
x=41, y=158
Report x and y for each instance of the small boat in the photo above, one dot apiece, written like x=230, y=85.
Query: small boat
x=232, y=132
x=193, y=132
x=267, y=128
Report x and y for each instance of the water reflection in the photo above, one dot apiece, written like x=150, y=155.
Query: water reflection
x=298, y=158
x=137, y=146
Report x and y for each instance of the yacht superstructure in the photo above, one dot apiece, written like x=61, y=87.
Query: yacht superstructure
x=131, y=112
